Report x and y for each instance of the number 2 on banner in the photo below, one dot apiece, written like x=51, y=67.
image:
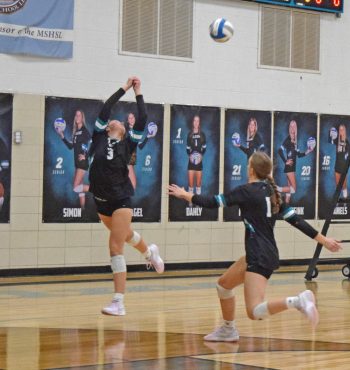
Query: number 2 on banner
x=305, y=170
x=59, y=163
x=236, y=170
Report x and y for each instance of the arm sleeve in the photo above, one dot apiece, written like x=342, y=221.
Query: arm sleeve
x=292, y=218
x=103, y=117
x=136, y=134
x=300, y=154
x=204, y=143
x=188, y=147
x=69, y=144
x=281, y=150
x=232, y=198
x=244, y=149
x=142, y=143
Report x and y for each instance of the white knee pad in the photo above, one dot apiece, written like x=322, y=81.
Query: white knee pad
x=291, y=190
x=81, y=195
x=260, y=311
x=135, y=239
x=224, y=293
x=78, y=188
x=118, y=264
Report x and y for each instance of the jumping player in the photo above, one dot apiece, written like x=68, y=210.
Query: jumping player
x=196, y=147
x=81, y=138
x=260, y=203
x=254, y=142
x=111, y=186
x=289, y=152
x=339, y=139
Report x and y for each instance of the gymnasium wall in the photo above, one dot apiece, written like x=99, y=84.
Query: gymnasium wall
x=226, y=76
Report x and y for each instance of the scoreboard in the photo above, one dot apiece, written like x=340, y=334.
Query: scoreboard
x=333, y=6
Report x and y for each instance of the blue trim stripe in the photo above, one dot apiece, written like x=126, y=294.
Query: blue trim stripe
x=220, y=200
x=288, y=213
x=136, y=136
x=100, y=125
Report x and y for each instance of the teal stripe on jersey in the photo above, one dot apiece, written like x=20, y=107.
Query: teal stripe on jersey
x=220, y=200
x=288, y=213
x=100, y=125
x=136, y=136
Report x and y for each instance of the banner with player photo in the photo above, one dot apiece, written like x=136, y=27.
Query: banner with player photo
x=194, y=159
x=145, y=172
x=246, y=132
x=6, y=108
x=69, y=125
x=333, y=155
x=294, y=156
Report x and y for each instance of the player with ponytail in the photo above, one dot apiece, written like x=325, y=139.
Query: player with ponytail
x=260, y=204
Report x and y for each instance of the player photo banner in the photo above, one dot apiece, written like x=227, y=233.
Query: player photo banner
x=69, y=124
x=333, y=155
x=294, y=157
x=37, y=27
x=194, y=159
x=145, y=168
x=6, y=108
x=245, y=133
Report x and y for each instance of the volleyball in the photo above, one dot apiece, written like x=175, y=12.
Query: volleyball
x=152, y=129
x=311, y=143
x=236, y=139
x=333, y=133
x=4, y=165
x=195, y=158
x=221, y=30
x=59, y=124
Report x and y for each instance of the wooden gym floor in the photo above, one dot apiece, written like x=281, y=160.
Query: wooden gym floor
x=53, y=324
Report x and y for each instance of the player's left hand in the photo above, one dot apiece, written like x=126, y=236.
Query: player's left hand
x=332, y=245
x=81, y=157
x=178, y=192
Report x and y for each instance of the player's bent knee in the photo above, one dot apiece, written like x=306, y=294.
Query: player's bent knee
x=259, y=312
x=135, y=239
x=118, y=264
x=291, y=190
x=224, y=293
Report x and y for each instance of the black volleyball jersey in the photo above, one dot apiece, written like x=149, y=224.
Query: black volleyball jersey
x=342, y=155
x=80, y=143
x=254, y=202
x=196, y=142
x=109, y=175
x=289, y=150
x=253, y=145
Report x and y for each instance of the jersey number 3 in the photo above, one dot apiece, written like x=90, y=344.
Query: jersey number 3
x=109, y=153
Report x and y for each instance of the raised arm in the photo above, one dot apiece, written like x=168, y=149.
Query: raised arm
x=103, y=117
x=136, y=134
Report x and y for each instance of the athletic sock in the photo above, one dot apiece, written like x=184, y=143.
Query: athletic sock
x=345, y=193
x=293, y=302
x=118, y=297
x=229, y=324
x=147, y=254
